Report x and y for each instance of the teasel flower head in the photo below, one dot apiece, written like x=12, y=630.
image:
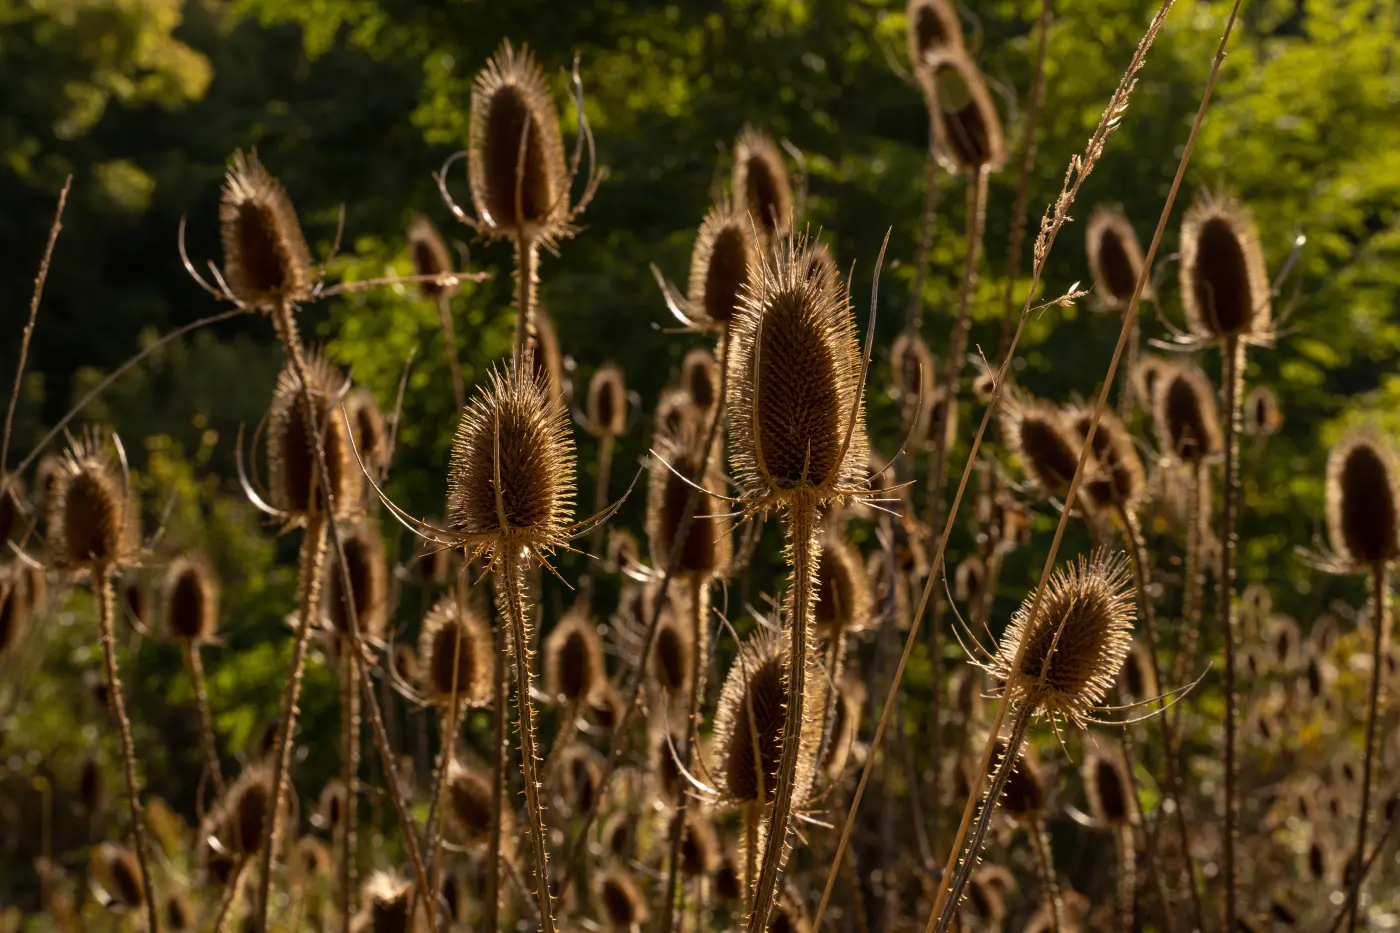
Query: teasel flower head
x=1363, y=501
x=92, y=517
x=700, y=378
x=1079, y=636
x=969, y=579
x=191, y=597
x=430, y=256
x=699, y=845
x=1283, y=642
x=1027, y=792
x=762, y=188
x=934, y=31
x=1139, y=681
x=623, y=551
x=968, y=135
x=294, y=485
x=1045, y=443
x=1186, y=418
x=842, y=729
x=622, y=905
x=367, y=428
x=672, y=653
x=707, y=550
x=1119, y=481
x=1108, y=787
x=607, y=402
x=1148, y=376
x=912, y=369
x=515, y=152
x=796, y=417
x=387, y=905
x=724, y=258
x=573, y=659
x=117, y=874
x=236, y=827
x=266, y=259
x=675, y=413
x=1115, y=256
x=844, y=605
x=469, y=805
x=1261, y=412
x=179, y=912
x=458, y=659
x=1224, y=285
x=619, y=834
x=368, y=570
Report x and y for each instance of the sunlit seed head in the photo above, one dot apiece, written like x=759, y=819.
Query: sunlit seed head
x=179, y=912
x=761, y=187
x=470, y=804
x=191, y=596
x=370, y=433
x=699, y=845
x=707, y=549
x=14, y=511
x=1119, y=480
x=294, y=484
x=573, y=659
x=547, y=359
x=671, y=655
x=1362, y=500
x=968, y=130
x=621, y=904
x=1186, y=417
x=1115, y=256
x=725, y=256
x=1045, y=443
x=430, y=256
x=1139, y=682
x=623, y=550
x=118, y=873
x=843, y=604
x=969, y=579
x=455, y=645
x=266, y=259
x=368, y=570
x=700, y=378
x=1147, y=378
x=912, y=369
x=1261, y=412
x=933, y=31
x=675, y=413
x=236, y=827
x=1224, y=285
x=91, y=517
x=607, y=402
x=1108, y=788
x=386, y=904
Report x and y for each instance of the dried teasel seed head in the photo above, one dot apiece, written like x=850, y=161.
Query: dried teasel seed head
x=844, y=604
x=369, y=584
x=1115, y=256
x=237, y=825
x=699, y=845
x=455, y=645
x=330, y=808
x=573, y=659
x=934, y=31
x=795, y=417
x=761, y=185
x=547, y=360
x=179, y=913
x=725, y=256
x=1261, y=413
x=1119, y=481
x=581, y=777
x=623, y=550
x=516, y=164
x=136, y=602
x=727, y=880
x=1026, y=792
x=92, y=519
x=313, y=860
x=1147, y=379
x=1108, y=789
x=675, y=413
x=967, y=127
x=1224, y=285
x=606, y=705
x=1139, y=682
x=619, y=834
x=707, y=548
x=386, y=905
x=1045, y=443
x=607, y=402
x=925, y=430
x=662, y=742
x=622, y=905
x=118, y=874
x=511, y=433
x=966, y=688
x=294, y=484
x=843, y=728
x=912, y=368
x=1284, y=641
x=700, y=377
x=266, y=260
x=1363, y=502
x=671, y=654
x=1256, y=603
x=1080, y=634
x=1187, y=421
x=14, y=610
x=430, y=256
x=191, y=599
x=368, y=429
x=969, y=579
x=470, y=804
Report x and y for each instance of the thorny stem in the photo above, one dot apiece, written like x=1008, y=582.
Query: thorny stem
x=1234, y=351
x=1380, y=598
x=350, y=771
x=449, y=747
x=1127, y=875
x=106, y=601
x=500, y=749
x=449, y=346
x=190, y=648
x=1044, y=858
x=526, y=270
x=511, y=581
x=803, y=516
x=1194, y=584
x=231, y=895
x=931, y=174
x=753, y=815
x=1366, y=870
x=699, y=607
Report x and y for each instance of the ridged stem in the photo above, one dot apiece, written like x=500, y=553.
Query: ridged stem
x=1234, y=351
x=500, y=750
x=1044, y=858
x=1127, y=875
x=349, y=775
x=1380, y=600
x=526, y=269
x=449, y=752
x=224, y=917
x=190, y=649
x=699, y=606
x=449, y=347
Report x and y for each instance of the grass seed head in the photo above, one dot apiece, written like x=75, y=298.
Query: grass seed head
x=761, y=185
x=266, y=260
x=1224, y=285
x=723, y=259
x=707, y=548
x=455, y=644
x=1186, y=418
x=573, y=659
x=967, y=126
x=430, y=256
x=607, y=401
x=294, y=484
x=1362, y=500
x=92, y=519
x=1115, y=256
x=700, y=377
x=843, y=604
x=369, y=584
x=191, y=600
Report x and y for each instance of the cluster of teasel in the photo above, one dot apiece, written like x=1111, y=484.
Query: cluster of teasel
x=637, y=787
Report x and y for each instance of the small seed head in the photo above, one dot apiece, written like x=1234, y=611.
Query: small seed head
x=1115, y=256
x=700, y=377
x=455, y=643
x=967, y=127
x=1045, y=443
x=1224, y=285
x=294, y=484
x=761, y=185
x=430, y=256
x=92, y=519
x=607, y=402
x=266, y=260
x=707, y=549
x=843, y=604
x=573, y=659
x=1363, y=503
x=191, y=600
x=1108, y=789
x=1187, y=421
x=724, y=258
x=369, y=585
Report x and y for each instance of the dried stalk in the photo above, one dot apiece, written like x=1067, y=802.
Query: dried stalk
x=449, y=347
x=699, y=607
x=1234, y=354
x=349, y=776
x=195, y=666
x=1380, y=599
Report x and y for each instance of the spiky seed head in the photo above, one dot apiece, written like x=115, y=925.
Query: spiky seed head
x=516, y=163
x=1115, y=256
x=843, y=604
x=387, y=904
x=727, y=879
x=699, y=845
x=266, y=260
x=368, y=429
x=511, y=433
x=1224, y=285
x=430, y=256
x=136, y=602
x=1108, y=789
x=470, y=804
x=707, y=549
x=238, y=822
x=1026, y=793
x=725, y=255
x=1187, y=421
x=662, y=742
x=294, y=485
x=1080, y=634
x=313, y=859
x=967, y=127
x=671, y=654
x=456, y=645
x=191, y=600
x=607, y=401
x=117, y=871
x=369, y=584
x=179, y=912
x=91, y=520
x=1147, y=379
x=1139, y=682
x=622, y=905
x=1363, y=502
x=13, y=510
x=912, y=368
x=573, y=659
x=1261, y=413
x=700, y=377
x=934, y=31
x=623, y=550
x=969, y=579
x=1119, y=480
x=794, y=375
x=842, y=731
x=619, y=834
x=1045, y=443
x=761, y=185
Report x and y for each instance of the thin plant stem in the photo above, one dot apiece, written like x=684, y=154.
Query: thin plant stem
x=526, y=270
x=106, y=611
x=1127, y=875
x=350, y=771
x=1234, y=351
x=1380, y=599
x=1044, y=858
x=500, y=749
x=699, y=607
x=190, y=649
x=449, y=750
x=232, y=892
x=449, y=347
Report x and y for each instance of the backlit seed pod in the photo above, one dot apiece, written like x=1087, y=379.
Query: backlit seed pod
x=237, y=825
x=136, y=602
x=619, y=835
x=699, y=846
x=118, y=874
x=1147, y=378
x=1261, y=414
x=369, y=585
x=675, y=413
x=1224, y=285
x=91, y=520
x=607, y=402
x=843, y=604
x=573, y=659
x=179, y=913
x=661, y=760
x=266, y=260
x=191, y=597
x=469, y=804
x=1187, y=421
x=330, y=808
x=581, y=777
x=14, y=611
x=512, y=431
x=707, y=549
x=1045, y=443
x=1119, y=480
x=1026, y=793
x=605, y=706
x=968, y=136
x=934, y=30
x=455, y=645
x=912, y=368
x=515, y=152
x=621, y=905
x=795, y=419
x=670, y=659
x=727, y=879
x=313, y=859
x=1138, y=683
x=430, y=256
x=623, y=550
x=547, y=361
x=983, y=385
x=387, y=905
x=1362, y=500
x=13, y=511
x=761, y=186
x=294, y=484
x=1115, y=256
x=368, y=429
x=723, y=259
x=700, y=377
x=1108, y=789
x=843, y=729
x=968, y=579
x=1082, y=627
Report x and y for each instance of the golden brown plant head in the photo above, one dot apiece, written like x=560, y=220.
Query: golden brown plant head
x=191, y=600
x=621, y=904
x=663, y=740
x=581, y=777
x=675, y=413
x=118, y=874
x=912, y=367
x=967, y=127
x=135, y=602
x=1224, y=285
x=1119, y=480
x=724, y=257
x=547, y=360
x=699, y=846
x=707, y=549
x=700, y=378
x=573, y=659
x=330, y=807
x=796, y=420
x=313, y=860
x=238, y=823
x=606, y=705
x=369, y=584
x=969, y=579
x=607, y=402
x=1108, y=789
x=387, y=904
x=1026, y=793
x=430, y=256
x=623, y=550
x=934, y=30
x=179, y=912
x=511, y=477
x=985, y=901
x=843, y=729
x=1115, y=256
x=1079, y=634
x=1139, y=682
x=1148, y=376
x=761, y=185
x=470, y=804
x=91, y=516
x=672, y=653
x=1045, y=443
x=727, y=880
x=843, y=604
x=1187, y=421
x=13, y=511
x=619, y=835
x=1362, y=500
x=1256, y=602
x=368, y=429
x=294, y=484
x=519, y=177
x=455, y=645
x=1261, y=413
x=266, y=260
x=14, y=610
